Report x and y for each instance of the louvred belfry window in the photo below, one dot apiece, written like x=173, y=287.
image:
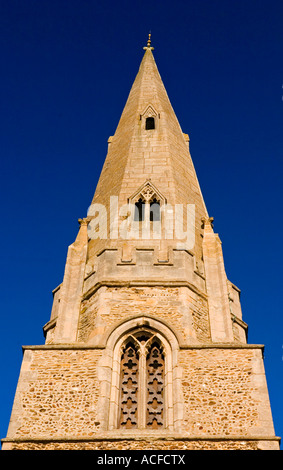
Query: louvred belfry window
x=142, y=382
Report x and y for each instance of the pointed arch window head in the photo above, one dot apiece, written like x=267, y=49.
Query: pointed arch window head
x=149, y=118
x=142, y=382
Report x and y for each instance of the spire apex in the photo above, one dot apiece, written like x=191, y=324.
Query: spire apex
x=148, y=46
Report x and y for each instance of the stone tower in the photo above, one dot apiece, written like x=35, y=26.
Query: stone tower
x=146, y=347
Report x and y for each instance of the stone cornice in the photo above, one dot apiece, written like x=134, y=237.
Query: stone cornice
x=78, y=346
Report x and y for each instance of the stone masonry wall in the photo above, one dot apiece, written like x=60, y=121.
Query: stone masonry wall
x=224, y=394
x=58, y=393
x=182, y=309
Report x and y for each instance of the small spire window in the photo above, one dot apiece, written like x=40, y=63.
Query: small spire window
x=146, y=211
x=155, y=211
x=139, y=210
x=149, y=123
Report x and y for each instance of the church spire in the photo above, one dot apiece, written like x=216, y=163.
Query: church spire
x=149, y=144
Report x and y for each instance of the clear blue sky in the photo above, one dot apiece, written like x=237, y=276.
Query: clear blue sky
x=66, y=70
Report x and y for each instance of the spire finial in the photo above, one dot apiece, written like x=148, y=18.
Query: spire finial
x=148, y=46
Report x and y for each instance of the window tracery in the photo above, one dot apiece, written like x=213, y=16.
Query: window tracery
x=147, y=203
x=155, y=387
x=129, y=386
x=151, y=341
x=142, y=382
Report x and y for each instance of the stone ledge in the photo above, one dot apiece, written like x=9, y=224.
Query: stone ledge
x=49, y=325
x=239, y=321
x=223, y=346
x=192, y=346
x=141, y=437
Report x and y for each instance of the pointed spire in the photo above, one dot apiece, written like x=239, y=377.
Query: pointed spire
x=148, y=46
x=136, y=153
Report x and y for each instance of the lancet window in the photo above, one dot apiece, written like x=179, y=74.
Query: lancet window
x=154, y=210
x=142, y=387
x=155, y=386
x=139, y=210
x=129, y=386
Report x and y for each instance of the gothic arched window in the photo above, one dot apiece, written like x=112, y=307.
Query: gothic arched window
x=144, y=356
x=142, y=387
x=147, y=205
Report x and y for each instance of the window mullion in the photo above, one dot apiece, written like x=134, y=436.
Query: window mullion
x=142, y=388
x=146, y=222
